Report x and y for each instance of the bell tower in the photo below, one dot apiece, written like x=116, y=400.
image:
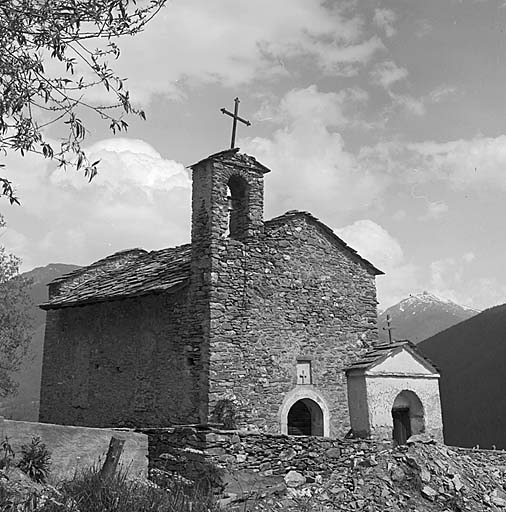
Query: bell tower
x=227, y=219
x=227, y=197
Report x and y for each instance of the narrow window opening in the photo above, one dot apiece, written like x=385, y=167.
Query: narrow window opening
x=237, y=206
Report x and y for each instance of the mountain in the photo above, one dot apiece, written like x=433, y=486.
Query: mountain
x=24, y=405
x=470, y=357
x=420, y=316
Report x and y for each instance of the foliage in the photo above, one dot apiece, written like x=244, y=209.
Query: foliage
x=87, y=492
x=35, y=460
x=15, y=320
x=52, y=54
x=225, y=413
x=6, y=454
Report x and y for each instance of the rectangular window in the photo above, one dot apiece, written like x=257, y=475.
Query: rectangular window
x=304, y=372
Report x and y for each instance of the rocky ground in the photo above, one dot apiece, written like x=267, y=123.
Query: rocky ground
x=422, y=477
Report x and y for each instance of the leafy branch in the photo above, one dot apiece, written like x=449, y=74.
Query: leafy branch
x=79, y=36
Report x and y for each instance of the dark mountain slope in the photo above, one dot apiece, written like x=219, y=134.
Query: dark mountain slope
x=471, y=357
x=24, y=405
x=421, y=316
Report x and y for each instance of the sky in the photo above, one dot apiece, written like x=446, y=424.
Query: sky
x=385, y=119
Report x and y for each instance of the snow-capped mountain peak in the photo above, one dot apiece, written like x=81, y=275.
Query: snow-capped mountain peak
x=422, y=315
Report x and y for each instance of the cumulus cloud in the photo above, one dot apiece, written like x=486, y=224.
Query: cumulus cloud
x=198, y=42
x=385, y=19
x=388, y=73
x=138, y=199
x=377, y=245
x=463, y=163
x=312, y=169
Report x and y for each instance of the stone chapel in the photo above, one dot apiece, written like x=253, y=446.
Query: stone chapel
x=252, y=324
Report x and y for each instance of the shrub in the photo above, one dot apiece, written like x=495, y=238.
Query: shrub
x=35, y=460
x=6, y=454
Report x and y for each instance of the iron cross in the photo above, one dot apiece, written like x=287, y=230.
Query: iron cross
x=236, y=118
x=389, y=328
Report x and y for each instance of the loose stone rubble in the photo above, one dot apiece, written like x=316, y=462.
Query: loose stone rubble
x=303, y=473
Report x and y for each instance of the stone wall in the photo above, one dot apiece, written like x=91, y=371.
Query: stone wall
x=291, y=293
x=75, y=448
x=119, y=363
x=245, y=458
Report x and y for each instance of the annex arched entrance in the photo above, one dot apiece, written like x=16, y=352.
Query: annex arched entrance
x=304, y=412
x=407, y=416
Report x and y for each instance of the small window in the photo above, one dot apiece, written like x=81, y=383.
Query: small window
x=304, y=372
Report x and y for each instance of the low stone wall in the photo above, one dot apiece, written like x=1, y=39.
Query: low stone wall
x=74, y=448
x=244, y=462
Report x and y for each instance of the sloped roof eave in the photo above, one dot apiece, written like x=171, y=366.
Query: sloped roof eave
x=380, y=353
x=47, y=306
x=318, y=223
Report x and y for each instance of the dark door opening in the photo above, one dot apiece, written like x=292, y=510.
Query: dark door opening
x=305, y=418
x=299, y=420
x=402, y=425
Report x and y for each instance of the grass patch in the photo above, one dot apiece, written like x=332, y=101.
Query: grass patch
x=86, y=492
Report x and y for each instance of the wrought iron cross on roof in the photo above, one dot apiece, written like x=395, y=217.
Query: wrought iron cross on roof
x=236, y=118
x=389, y=328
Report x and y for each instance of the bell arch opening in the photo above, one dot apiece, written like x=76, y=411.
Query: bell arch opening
x=305, y=418
x=238, y=207
x=408, y=416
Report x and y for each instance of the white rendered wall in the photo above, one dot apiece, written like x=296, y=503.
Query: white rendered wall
x=382, y=391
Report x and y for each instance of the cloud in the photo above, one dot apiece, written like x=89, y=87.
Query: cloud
x=137, y=199
x=441, y=92
x=388, y=73
x=385, y=19
x=463, y=163
x=312, y=170
x=198, y=42
x=375, y=243
x=409, y=103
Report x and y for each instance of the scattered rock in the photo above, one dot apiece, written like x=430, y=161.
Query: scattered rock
x=428, y=492
x=294, y=479
x=333, y=453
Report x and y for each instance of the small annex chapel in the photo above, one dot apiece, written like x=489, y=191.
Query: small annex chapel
x=252, y=324
x=393, y=391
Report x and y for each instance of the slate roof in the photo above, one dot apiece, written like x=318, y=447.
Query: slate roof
x=340, y=242
x=137, y=272
x=144, y=273
x=381, y=352
x=233, y=157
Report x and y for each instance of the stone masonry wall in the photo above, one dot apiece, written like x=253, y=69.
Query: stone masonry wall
x=192, y=453
x=288, y=293
x=120, y=363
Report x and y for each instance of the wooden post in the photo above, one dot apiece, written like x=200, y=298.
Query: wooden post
x=112, y=458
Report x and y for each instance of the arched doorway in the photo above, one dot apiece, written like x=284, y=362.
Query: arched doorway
x=305, y=418
x=407, y=415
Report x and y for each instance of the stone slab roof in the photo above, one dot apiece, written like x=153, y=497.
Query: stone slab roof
x=140, y=273
x=234, y=158
x=380, y=352
x=323, y=227
x=136, y=272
